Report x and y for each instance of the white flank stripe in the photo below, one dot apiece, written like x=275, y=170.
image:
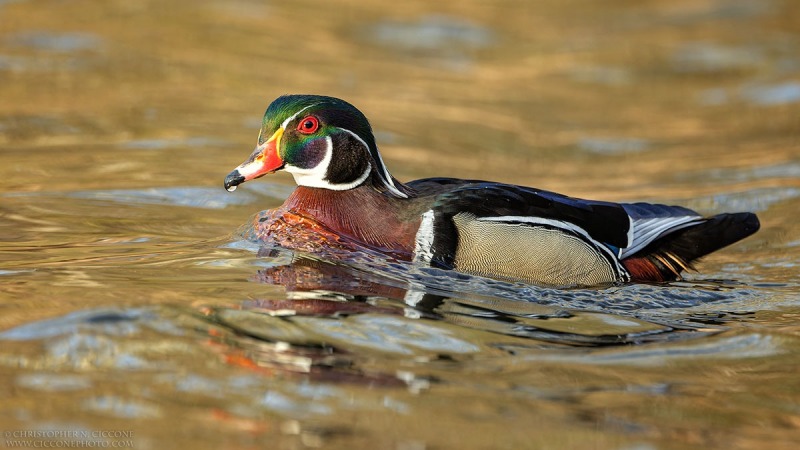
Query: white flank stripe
x=423, y=246
x=562, y=225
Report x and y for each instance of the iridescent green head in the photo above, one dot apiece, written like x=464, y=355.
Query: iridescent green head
x=324, y=142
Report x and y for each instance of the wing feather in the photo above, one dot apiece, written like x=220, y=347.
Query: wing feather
x=649, y=222
x=604, y=221
x=623, y=228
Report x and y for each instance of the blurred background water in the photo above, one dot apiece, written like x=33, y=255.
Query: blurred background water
x=132, y=299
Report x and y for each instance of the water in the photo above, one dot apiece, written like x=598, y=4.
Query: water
x=134, y=301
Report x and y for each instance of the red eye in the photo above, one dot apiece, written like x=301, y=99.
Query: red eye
x=308, y=125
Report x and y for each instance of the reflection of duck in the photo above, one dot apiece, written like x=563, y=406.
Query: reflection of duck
x=326, y=289
x=347, y=196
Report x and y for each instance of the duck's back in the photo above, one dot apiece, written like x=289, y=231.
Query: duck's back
x=495, y=229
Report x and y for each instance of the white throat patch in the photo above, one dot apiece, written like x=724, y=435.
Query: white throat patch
x=315, y=176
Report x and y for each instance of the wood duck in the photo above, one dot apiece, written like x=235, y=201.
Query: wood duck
x=478, y=227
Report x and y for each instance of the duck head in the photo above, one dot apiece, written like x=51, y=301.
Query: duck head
x=324, y=142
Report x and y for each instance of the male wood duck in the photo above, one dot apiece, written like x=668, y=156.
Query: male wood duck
x=491, y=229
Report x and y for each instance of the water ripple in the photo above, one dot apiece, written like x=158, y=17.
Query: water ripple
x=433, y=32
x=56, y=42
x=752, y=345
x=772, y=94
x=118, y=322
x=196, y=197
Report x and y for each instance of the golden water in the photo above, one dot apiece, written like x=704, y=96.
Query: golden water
x=129, y=300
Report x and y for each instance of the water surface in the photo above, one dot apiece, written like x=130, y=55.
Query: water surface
x=133, y=299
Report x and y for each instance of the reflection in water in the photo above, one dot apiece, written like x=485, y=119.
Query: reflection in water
x=309, y=356
x=341, y=289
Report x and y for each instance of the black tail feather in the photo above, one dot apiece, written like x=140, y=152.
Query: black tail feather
x=667, y=257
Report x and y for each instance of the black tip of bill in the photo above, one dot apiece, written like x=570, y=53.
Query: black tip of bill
x=232, y=180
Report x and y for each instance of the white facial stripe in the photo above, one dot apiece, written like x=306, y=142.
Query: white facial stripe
x=387, y=178
x=423, y=246
x=313, y=173
x=344, y=187
x=286, y=122
x=315, y=176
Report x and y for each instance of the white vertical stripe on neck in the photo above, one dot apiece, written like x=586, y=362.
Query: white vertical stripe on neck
x=423, y=242
x=383, y=172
